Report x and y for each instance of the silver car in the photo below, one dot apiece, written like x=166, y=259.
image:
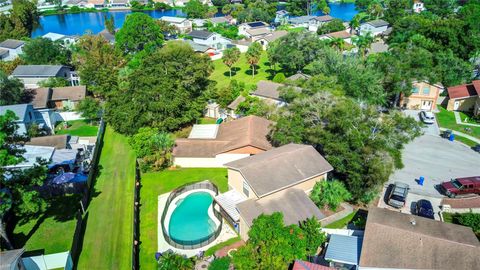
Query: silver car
x=398, y=196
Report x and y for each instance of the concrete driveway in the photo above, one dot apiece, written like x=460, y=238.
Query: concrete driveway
x=431, y=129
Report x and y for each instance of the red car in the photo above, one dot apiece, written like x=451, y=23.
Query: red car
x=459, y=186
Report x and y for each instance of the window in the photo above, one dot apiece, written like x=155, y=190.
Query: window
x=415, y=90
x=426, y=90
x=246, y=189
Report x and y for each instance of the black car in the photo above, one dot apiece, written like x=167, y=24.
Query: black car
x=424, y=208
x=476, y=148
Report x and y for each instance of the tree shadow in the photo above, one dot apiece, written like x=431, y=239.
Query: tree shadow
x=250, y=71
x=235, y=70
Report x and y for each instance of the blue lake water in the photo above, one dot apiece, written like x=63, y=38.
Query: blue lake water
x=79, y=24
x=190, y=220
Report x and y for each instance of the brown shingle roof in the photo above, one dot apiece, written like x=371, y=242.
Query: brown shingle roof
x=303, y=265
x=392, y=241
x=339, y=34
x=246, y=131
x=73, y=93
x=459, y=203
x=268, y=89
x=57, y=141
x=258, y=31
x=275, y=35
x=464, y=90
x=281, y=167
x=236, y=102
x=41, y=97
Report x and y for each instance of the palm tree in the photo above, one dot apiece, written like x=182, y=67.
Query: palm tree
x=338, y=44
x=253, y=55
x=363, y=43
x=171, y=260
x=230, y=57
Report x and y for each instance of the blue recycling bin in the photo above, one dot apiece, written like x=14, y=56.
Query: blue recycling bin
x=420, y=180
x=452, y=137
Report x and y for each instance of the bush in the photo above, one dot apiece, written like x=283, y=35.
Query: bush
x=329, y=193
x=471, y=220
x=220, y=264
x=279, y=78
x=153, y=148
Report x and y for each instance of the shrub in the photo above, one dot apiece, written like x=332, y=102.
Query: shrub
x=329, y=193
x=153, y=148
x=471, y=220
x=279, y=78
x=220, y=264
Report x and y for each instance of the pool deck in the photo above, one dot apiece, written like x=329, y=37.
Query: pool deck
x=226, y=233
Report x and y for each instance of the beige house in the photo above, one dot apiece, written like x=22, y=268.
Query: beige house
x=464, y=97
x=424, y=96
x=214, y=145
x=277, y=180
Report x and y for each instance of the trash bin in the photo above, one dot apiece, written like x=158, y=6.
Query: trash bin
x=452, y=137
x=420, y=180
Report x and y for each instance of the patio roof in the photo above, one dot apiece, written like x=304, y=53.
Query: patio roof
x=228, y=202
x=208, y=131
x=344, y=249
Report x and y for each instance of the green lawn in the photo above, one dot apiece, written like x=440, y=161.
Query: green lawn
x=214, y=249
x=341, y=223
x=446, y=119
x=77, y=128
x=207, y=120
x=156, y=183
x=108, y=235
x=52, y=231
x=242, y=72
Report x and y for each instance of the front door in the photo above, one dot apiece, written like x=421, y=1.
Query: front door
x=456, y=105
x=426, y=104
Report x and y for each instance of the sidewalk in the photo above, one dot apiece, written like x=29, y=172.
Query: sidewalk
x=459, y=121
x=474, y=139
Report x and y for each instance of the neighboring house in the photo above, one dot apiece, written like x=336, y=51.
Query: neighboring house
x=66, y=40
x=67, y=98
x=31, y=155
x=301, y=21
x=232, y=107
x=200, y=48
x=215, y=145
x=220, y=20
x=182, y=24
x=10, y=49
x=277, y=180
x=346, y=36
x=418, y=6
x=242, y=44
x=424, y=96
x=254, y=30
x=318, y=21
x=212, y=40
x=299, y=76
x=32, y=75
x=394, y=240
x=78, y=3
x=96, y=4
x=25, y=114
x=375, y=27
x=343, y=251
x=107, y=35
x=281, y=17
x=269, y=92
x=464, y=97
x=264, y=41
x=119, y=3
x=56, y=141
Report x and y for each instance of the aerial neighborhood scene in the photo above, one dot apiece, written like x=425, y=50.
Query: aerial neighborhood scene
x=239, y=134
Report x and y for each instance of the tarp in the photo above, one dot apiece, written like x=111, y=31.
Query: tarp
x=69, y=178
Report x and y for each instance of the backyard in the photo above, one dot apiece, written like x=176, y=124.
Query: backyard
x=242, y=71
x=156, y=183
x=446, y=119
x=81, y=128
x=108, y=236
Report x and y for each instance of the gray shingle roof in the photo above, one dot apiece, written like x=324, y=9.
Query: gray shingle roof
x=8, y=258
x=198, y=47
x=300, y=19
x=12, y=43
x=281, y=167
x=200, y=34
x=18, y=109
x=324, y=18
x=3, y=52
x=37, y=70
x=268, y=89
x=344, y=249
x=377, y=23
x=236, y=102
x=294, y=204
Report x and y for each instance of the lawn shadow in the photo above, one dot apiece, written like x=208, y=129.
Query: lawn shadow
x=250, y=71
x=235, y=70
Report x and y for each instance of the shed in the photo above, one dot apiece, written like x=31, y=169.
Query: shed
x=344, y=249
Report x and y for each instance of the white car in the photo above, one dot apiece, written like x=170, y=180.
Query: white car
x=427, y=117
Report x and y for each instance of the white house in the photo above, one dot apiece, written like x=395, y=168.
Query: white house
x=10, y=49
x=264, y=41
x=418, y=6
x=254, y=30
x=340, y=34
x=318, y=21
x=300, y=21
x=32, y=75
x=212, y=40
x=375, y=27
x=66, y=40
x=183, y=24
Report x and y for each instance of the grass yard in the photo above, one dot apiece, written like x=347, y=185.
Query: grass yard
x=341, y=223
x=77, y=128
x=108, y=236
x=242, y=72
x=446, y=119
x=156, y=183
x=57, y=225
x=214, y=249
x=207, y=120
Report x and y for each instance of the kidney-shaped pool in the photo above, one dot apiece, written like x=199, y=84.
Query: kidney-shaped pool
x=190, y=222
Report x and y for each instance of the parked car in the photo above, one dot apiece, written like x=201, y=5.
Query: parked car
x=427, y=117
x=424, y=208
x=398, y=195
x=476, y=148
x=459, y=186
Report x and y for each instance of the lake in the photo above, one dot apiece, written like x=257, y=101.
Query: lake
x=78, y=24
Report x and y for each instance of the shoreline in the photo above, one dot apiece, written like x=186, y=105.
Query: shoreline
x=50, y=12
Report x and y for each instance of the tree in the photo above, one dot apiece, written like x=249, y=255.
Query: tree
x=139, y=32
x=109, y=24
x=254, y=106
x=161, y=6
x=253, y=56
x=98, y=64
x=8, y=67
x=89, y=108
x=44, y=51
x=153, y=148
x=338, y=44
x=11, y=90
x=195, y=9
x=227, y=94
x=220, y=264
x=18, y=193
x=230, y=57
x=329, y=193
x=299, y=7
x=54, y=82
x=271, y=244
x=171, y=260
x=258, y=10
x=279, y=78
x=313, y=233
x=21, y=21
x=363, y=43
x=166, y=91
x=334, y=25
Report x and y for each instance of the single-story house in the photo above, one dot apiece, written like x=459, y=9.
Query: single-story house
x=269, y=92
x=343, y=251
x=25, y=114
x=221, y=20
x=59, y=37
x=254, y=30
x=301, y=21
x=465, y=97
x=264, y=41
x=10, y=49
x=183, y=25
x=232, y=107
x=346, y=36
x=210, y=39
x=242, y=44
x=277, y=180
x=32, y=75
x=394, y=240
x=318, y=21
x=424, y=96
x=375, y=27
x=215, y=145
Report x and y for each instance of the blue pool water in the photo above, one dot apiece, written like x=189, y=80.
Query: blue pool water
x=190, y=220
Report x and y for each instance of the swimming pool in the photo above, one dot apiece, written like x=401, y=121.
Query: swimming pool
x=190, y=222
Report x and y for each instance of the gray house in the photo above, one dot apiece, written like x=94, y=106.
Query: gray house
x=375, y=27
x=212, y=40
x=25, y=114
x=32, y=75
x=10, y=49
